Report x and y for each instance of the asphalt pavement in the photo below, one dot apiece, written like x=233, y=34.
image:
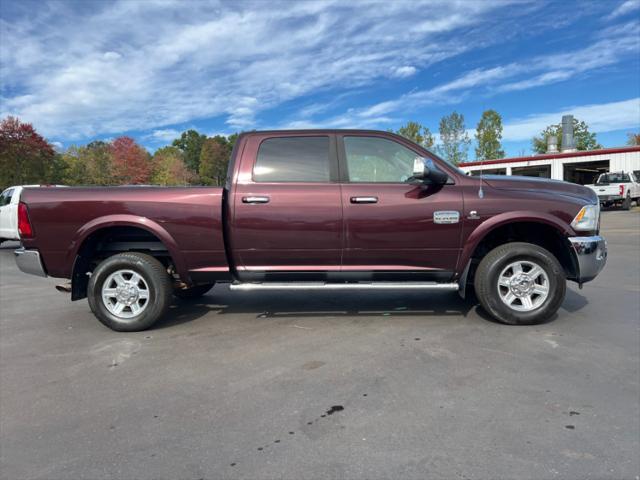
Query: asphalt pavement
x=325, y=385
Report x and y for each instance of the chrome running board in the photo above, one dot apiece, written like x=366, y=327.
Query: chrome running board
x=450, y=287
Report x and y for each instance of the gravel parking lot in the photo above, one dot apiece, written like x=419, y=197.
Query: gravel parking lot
x=329, y=385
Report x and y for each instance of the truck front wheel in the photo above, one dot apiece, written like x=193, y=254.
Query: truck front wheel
x=129, y=292
x=520, y=284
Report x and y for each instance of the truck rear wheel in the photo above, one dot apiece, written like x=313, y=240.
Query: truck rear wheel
x=520, y=284
x=129, y=292
x=193, y=292
x=626, y=204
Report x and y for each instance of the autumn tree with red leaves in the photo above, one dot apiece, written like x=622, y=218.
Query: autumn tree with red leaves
x=130, y=162
x=25, y=157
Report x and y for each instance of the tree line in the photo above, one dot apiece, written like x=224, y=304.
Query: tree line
x=455, y=142
x=192, y=159
x=196, y=159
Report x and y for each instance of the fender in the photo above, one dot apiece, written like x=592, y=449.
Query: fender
x=490, y=224
x=124, y=220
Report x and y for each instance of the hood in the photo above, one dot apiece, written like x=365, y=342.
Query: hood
x=541, y=185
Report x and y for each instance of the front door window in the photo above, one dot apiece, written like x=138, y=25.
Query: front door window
x=377, y=160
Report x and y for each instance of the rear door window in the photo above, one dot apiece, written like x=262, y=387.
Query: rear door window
x=293, y=159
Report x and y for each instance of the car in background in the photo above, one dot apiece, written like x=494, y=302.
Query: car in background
x=9, y=200
x=617, y=188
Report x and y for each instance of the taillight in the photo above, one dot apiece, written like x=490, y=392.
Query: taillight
x=622, y=190
x=24, y=224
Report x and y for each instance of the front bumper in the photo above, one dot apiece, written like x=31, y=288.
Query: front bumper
x=29, y=261
x=591, y=255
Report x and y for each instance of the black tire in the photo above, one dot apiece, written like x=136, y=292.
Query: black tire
x=154, y=275
x=193, y=292
x=489, y=293
x=626, y=205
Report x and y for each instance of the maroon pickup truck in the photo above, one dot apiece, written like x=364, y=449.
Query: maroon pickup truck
x=318, y=210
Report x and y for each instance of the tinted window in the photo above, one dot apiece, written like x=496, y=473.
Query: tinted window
x=373, y=159
x=5, y=199
x=293, y=159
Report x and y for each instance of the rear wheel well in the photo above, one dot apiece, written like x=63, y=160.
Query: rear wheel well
x=109, y=241
x=539, y=234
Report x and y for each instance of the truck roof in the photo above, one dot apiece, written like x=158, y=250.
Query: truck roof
x=316, y=131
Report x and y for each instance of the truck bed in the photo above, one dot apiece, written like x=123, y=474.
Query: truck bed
x=188, y=221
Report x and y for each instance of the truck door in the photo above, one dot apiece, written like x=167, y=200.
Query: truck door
x=393, y=228
x=286, y=222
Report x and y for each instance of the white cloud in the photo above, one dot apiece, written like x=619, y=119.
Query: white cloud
x=604, y=117
x=125, y=65
x=242, y=115
x=216, y=133
x=516, y=76
x=112, y=56
x=405, y=71
x=625, y=7
x=163, y=135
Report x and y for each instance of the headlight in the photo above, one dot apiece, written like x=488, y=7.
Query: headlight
x=587, y=218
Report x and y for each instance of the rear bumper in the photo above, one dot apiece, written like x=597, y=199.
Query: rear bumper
x=29, y=261
x=610, y=198
x=591, y=254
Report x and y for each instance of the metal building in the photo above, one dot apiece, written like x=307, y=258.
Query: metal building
x=577, y=167
x=574, y=166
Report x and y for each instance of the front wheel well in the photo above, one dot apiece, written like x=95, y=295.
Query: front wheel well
x=540, y=234
x=109, y=241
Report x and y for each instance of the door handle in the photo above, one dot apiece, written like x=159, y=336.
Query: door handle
x=364, y=199
x=255, y=199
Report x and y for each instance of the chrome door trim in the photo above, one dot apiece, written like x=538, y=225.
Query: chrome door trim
x=364, y=199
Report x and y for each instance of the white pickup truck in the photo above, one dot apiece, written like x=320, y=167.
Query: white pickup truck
x=617, y=188
x=9, y=200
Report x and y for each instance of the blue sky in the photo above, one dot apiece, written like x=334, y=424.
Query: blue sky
x=150, y=69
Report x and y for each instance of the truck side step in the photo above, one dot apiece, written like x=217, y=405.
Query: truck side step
x=452, y=287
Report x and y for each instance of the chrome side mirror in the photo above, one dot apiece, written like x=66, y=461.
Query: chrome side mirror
x=425, y=171
x=419, y=168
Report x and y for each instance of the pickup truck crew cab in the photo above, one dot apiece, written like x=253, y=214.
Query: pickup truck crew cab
x=318, y=209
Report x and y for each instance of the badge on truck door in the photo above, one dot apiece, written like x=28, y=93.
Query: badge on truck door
x=446, y=217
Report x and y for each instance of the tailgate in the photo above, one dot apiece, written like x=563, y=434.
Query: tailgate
x=607, y=190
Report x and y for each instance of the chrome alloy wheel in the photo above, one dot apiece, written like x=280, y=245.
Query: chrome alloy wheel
x=523, y=286
x=125, y=294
